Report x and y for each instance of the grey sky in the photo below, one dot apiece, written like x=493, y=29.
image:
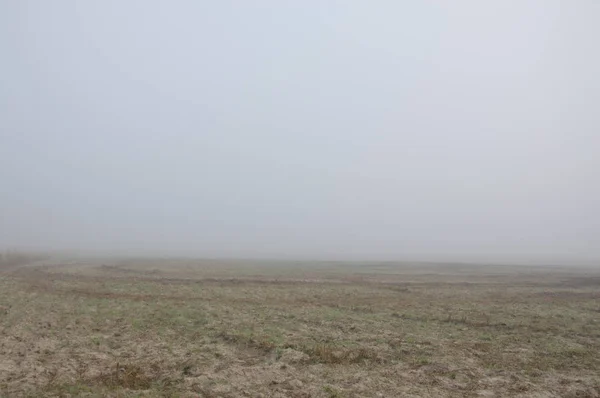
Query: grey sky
x=454, y=130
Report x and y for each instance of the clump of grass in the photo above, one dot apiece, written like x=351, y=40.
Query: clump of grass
x=482, y=319
x=121, y=376
x=329, y=354
x=332, y=392
x=127, y=376
x=262, y=343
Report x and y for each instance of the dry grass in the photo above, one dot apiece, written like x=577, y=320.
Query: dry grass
x=188, y=328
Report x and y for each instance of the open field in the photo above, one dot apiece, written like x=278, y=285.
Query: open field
x=215, y=328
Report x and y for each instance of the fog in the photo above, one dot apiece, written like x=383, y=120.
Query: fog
x=459, y=131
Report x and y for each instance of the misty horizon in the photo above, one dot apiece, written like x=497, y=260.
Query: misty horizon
x=409, y=131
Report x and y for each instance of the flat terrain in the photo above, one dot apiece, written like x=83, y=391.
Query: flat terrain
x=204, y=328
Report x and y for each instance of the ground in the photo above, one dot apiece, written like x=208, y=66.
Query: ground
x=216, y=328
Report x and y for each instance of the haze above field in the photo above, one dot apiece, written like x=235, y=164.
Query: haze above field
x=451, y=131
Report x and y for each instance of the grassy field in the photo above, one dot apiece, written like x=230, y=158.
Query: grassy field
x=202, y=328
